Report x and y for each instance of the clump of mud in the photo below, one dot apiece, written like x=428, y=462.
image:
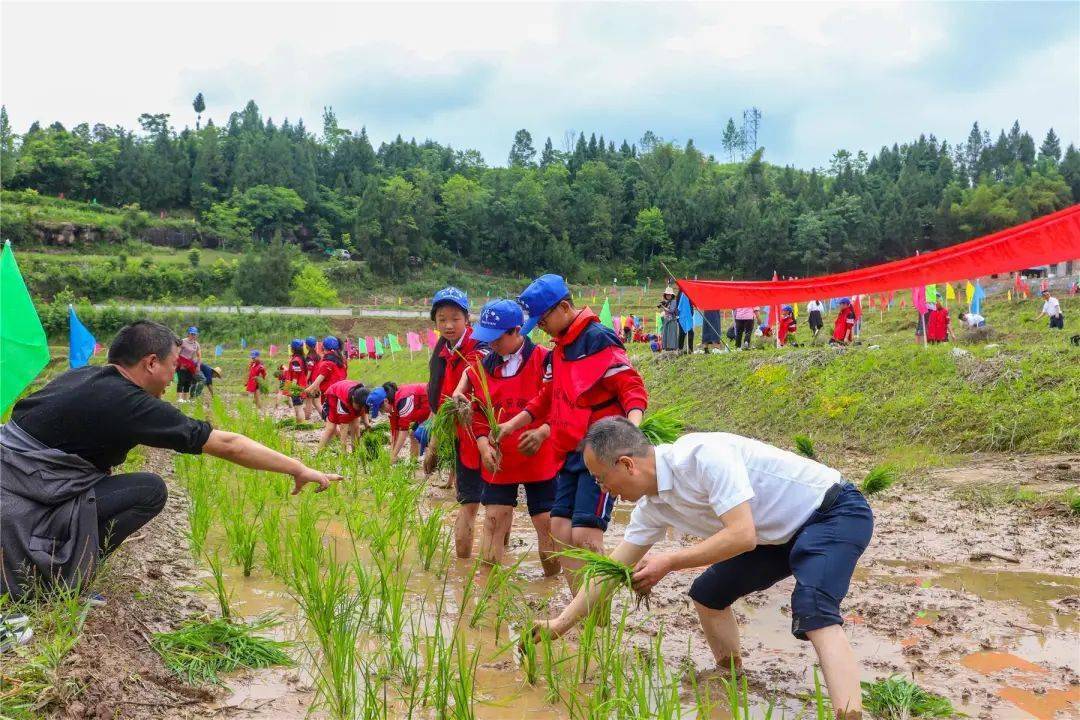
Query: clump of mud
x=984, y=373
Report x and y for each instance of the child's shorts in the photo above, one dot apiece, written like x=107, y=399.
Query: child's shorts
x=579, y=498
x=297, y=401
x=539, y=496
x=470, y=485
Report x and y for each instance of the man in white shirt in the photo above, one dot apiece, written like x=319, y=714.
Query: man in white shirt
x=765, y=514
x=1052, y=309
x=973, y=320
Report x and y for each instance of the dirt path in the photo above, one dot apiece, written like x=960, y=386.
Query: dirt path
x=1000, y=638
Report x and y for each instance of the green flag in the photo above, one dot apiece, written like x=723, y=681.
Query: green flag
x=23, y=348
x=931, y=294
x=378, y=348
x=659, y=322
x=605, y=314
x=395, y=346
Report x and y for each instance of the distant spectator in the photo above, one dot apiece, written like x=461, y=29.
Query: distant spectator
x=815, y=310
x=669, y=333
x=187, y=364
x=973, y=320
x=745, y=319
x=710, y=331
x=786, y=327
x=1052, y=309
x=937, y=326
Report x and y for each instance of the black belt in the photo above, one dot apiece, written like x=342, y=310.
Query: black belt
x=830, y=496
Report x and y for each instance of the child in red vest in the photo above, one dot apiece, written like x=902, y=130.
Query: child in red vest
x=937, y=325
x=256, y=370
x=786, y=326
x=296, y=373
x=844, y=326
x=311, y=359
x=329, y=370
x=455, y=349
x=344, y=404
x=591, y=378
x=407, y=407
x=513, y=373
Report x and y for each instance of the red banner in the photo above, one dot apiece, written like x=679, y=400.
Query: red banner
x=1049, y=239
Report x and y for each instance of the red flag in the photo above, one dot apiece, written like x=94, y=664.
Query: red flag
x=856, y=305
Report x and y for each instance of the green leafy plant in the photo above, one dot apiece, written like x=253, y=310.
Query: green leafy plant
x=200, y=651
x=665, y=425
x=879, y=479
x=443, y=433
x=897, y=698
x=804, y=445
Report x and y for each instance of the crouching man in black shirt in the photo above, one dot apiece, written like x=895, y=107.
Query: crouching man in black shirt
x=60, y=505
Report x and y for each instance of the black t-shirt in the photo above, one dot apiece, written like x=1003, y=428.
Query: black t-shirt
x=99, y=415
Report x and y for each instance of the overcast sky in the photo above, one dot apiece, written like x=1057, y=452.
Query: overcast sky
x=825, y=75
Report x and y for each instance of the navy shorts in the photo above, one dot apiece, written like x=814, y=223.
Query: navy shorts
x=470, y=486
x=821, y=556
x=297, y=401
x=539, y=496
x=579, y=498
x=1058, y=321
x=422, y=435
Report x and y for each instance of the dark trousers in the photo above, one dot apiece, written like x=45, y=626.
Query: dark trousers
x=744, y=330
x=683, y=337
x=125, y=503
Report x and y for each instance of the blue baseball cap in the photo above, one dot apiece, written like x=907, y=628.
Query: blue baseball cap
x=297, y=344
x=496, y=318
x=310, y=341
x=845, y=301
x=786, y=308
x=375, y=399
x=330, y=343
x=450, y=295
x=193, y=330
x=544, y=293
x=254, y=354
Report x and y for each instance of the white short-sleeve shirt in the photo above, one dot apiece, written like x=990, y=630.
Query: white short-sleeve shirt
x=1052, y=307
x=701, y=476
x=815, y=305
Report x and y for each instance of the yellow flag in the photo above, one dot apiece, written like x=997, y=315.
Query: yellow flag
x=969, y=291
x=795, y=310
x=950, y=292
x=1010, y=296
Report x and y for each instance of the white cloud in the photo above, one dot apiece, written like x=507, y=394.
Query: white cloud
x=826, y=75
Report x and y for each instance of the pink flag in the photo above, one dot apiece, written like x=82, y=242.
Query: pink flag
x=273, y=349
x=369, y=344
x=918, y=298
x=432, y=338
x=415, y=344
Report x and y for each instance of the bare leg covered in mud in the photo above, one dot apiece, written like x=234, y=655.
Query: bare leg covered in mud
x=497, y=521
x=465, y=529
x=831, y=644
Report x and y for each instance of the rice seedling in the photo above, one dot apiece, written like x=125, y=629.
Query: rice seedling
x=216, y=584
x=200, y=511
x=665, y=425
x=604, y=569
x=879, y=479
x=896, y=697
x=431, y=535
x=199, y=652
x=270, y=528
x=804, y=446
x=463, y=684
x=242, y=532
x=443, y=434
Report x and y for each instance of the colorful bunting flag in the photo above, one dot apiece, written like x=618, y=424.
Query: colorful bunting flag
x=273, y=349
x=243, y=344
x=977, y=297
x=218, y=351
x=605, y=314
x=81, y=342
x=432, y=339
x=369, y=345
x=379, y=349
x=24, y=351
x=950, y=292
x=414, y=342
x=395, y=345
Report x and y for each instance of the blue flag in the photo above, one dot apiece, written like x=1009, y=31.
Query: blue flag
x=243, y=343
x=977, y=298
x=81, y=343
x=218, y=351
x=699, y=319
x=686, y=313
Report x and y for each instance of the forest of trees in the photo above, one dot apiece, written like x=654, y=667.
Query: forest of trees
x=594, y=207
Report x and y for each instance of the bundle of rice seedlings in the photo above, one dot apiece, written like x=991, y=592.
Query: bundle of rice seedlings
x=200, y=651
x=664, y=426
x=443, y=433
x=804, y=445
x=879, y=479
x=293, y=388
x=602, y=568
x=374, y=441
x=897, y=697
